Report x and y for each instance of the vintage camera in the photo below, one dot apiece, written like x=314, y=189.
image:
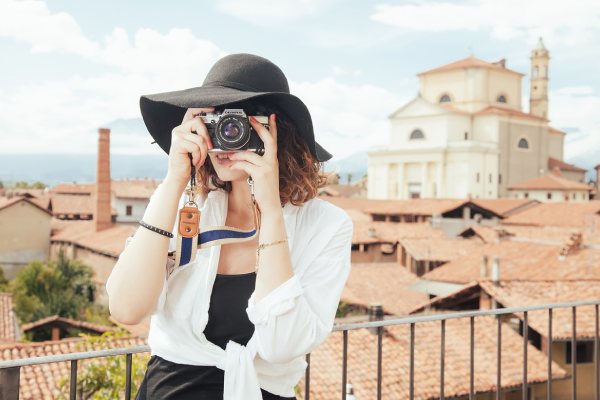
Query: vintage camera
x=230, y=130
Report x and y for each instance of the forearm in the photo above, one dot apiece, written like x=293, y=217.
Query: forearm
x=138, y=276
x=275, y=264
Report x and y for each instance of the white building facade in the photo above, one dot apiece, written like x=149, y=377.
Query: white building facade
x=465, y=134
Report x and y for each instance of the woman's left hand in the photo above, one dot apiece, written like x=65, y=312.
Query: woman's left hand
x=264, y=169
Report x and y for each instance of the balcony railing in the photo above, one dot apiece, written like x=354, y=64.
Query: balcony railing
x=10, y=370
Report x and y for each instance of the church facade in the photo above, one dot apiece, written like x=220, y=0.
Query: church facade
x=466, y=135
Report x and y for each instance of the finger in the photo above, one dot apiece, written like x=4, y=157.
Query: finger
x=264, y=135
x=244, y=166
x=249, y=156
x=197, y=126
x=199, y=141
x=273, y=128
x=192, y=112
x=189, y=147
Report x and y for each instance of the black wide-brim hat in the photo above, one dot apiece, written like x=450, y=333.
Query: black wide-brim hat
x=233, y=78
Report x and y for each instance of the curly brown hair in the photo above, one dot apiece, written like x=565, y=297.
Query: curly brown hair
x=300, y=173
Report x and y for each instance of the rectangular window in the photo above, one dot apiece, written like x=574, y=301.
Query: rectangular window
x=477, y=177
x=549, y=195
x=128, y=210
x=585, y=352
x=490, y=178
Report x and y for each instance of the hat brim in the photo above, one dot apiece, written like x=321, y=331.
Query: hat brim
x=162, y=112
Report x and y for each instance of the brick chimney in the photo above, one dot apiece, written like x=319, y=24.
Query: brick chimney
x=102, y=210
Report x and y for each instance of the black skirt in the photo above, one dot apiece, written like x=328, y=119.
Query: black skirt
x=227, y=320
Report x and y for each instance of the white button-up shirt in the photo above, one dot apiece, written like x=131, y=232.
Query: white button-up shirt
x=289, y=322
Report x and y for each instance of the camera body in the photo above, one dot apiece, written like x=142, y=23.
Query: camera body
x=230, y=130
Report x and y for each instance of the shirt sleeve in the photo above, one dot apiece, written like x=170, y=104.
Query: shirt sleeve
x=298, y=315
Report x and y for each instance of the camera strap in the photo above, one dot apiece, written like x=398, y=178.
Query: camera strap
x=189, y=235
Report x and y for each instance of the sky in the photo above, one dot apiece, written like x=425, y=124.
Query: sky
x=70, y=67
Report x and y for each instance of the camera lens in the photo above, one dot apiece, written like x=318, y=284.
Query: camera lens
x=231, y=130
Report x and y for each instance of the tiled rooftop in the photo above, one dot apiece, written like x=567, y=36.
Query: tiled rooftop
x=383, y=283
x=8, y=322
x=326, y=361
x=561, y=213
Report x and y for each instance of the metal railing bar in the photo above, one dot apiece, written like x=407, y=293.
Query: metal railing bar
x=461, y=314
x=379, y=359
x=471, y=358
x=307, y=378
x=73, y=356
x=411, y=377
x=73, y=381
x=128, y=362
x=499, y=359
x=549, y=390
x=344, y=364
x=525, y=334
x=443, y=358
x=574, y=357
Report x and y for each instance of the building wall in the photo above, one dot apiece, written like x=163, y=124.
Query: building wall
x=24, y=236
x=138, y=209
x=556, y=145
x=557, y=195
x=472, y=89
x=516, y=164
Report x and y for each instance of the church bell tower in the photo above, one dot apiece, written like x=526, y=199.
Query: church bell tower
x=538, y=94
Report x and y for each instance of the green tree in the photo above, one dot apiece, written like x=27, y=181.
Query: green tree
x=38, y=185
x=3, y=281
x=104, y=378
x=63, y=287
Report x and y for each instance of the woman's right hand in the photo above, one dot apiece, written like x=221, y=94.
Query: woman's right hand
x=189, y=137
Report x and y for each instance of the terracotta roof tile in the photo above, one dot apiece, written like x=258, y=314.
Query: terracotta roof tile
x=9, y=331
x=383, y=283
x=470, y=62
x=109, y=241
x=326, y=361
x=134, y=188
x=564, y=166
x=6, y=202
x=67, y=321
x=342, y=190
x=560, y=213
x=505, y=206
x=41, y=382
x=392, y=232
x=520, y=260
x=495, y=110
x=549, y=181
x=519, y=293
x=439, y=249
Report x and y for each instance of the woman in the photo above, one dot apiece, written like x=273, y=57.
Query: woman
x=232, y=324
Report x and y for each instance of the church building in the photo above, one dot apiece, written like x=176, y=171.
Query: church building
x=466, y=134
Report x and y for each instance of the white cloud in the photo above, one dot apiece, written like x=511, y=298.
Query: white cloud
x=271, y=13
x=558, y=21
x=348, y=118
x=576, y=109
x=73, y=109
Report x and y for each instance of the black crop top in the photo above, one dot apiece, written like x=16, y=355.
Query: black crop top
x=227, y=320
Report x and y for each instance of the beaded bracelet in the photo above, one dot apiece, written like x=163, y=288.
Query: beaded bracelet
x=155, y=229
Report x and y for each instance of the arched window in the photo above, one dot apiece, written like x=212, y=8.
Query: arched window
x=501, y=99
x=523, y=143
x=417, y=134
x=536, y=71
x=445, y=99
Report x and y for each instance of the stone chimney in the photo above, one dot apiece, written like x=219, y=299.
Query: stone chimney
x=572, y=244
x=496, y=270
x=483, y=268
x=102, y=206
